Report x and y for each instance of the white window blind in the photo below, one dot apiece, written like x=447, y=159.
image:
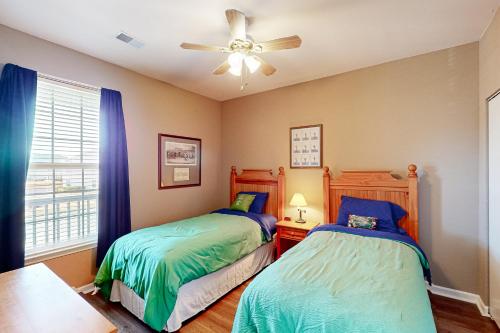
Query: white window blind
x=62, y=184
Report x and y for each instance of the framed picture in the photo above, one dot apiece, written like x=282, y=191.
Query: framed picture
x=306, y=147
x=179, y=161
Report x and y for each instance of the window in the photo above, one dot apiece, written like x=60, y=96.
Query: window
x=62, y=184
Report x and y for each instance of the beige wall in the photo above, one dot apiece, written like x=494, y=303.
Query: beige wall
x=421, y=109
x=489, y=82
x=77, y=269
x=150, y=107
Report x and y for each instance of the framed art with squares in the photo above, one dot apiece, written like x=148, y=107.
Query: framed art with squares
x=306, y=147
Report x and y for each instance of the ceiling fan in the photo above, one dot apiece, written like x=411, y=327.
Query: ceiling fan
x=243, y=50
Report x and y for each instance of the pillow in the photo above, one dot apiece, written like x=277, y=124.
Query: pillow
x=242, y=202
x=397, y=212
x=363, y=222
x=259, y=202
x=381, y=210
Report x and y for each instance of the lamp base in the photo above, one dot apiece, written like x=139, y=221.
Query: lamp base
x=300, y=220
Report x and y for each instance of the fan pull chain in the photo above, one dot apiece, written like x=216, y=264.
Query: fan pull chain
x=244, y=77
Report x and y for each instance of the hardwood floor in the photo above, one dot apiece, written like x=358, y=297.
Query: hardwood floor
x=451, y=316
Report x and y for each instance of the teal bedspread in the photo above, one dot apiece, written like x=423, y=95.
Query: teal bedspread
x=338, y=282
x=155, y=262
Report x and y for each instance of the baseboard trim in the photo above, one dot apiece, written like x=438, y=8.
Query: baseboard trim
x=485, y=310
x=437, y=290
x=86, y=289
x=461, y=296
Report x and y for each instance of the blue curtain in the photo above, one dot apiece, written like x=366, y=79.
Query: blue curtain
x=17, y=116
x=114, y=195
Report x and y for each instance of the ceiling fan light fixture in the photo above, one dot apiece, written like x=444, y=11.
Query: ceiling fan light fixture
x=243, y=52
x=252, y=63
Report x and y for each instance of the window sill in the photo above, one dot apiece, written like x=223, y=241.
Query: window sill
x=55, y=252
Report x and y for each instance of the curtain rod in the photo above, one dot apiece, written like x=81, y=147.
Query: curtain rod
x=72, y=83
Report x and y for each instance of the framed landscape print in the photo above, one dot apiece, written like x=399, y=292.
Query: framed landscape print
x=179, y=161
x=306, y=147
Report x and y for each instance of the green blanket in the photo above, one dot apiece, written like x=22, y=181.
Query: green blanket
x=155, y=262
x=337, y=282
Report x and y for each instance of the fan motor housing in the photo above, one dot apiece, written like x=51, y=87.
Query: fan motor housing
x=241, y=45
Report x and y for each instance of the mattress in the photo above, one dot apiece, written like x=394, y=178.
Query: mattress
x=196, y=295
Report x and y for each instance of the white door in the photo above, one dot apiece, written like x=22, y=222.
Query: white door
x=494, y=206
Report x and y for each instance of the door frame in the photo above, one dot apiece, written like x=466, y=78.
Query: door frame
x=487, y=101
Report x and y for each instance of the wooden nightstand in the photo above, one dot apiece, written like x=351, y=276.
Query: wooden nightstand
x=289, y=233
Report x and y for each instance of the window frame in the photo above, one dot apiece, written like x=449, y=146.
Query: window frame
x=54, y=250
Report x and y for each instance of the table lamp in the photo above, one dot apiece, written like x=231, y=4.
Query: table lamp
x=299, y=201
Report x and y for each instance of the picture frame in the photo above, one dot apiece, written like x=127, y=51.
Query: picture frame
x=306, y=147
x=179, y=161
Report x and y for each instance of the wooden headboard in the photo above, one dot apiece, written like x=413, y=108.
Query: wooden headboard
x=261, y=180
x=375, y=185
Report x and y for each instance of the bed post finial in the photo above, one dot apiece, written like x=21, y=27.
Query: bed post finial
x=412, y=171
x=326, y=171
x=281, y=171
x=233, y=169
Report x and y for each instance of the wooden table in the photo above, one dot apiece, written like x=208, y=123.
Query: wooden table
x=34, y=299
x=289, y=233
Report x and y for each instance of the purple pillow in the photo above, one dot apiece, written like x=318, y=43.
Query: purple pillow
x=258, y=203
x=382, y=210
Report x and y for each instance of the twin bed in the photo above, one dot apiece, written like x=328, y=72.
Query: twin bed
x=344, y=279
x=339, y=279
x=166, y=274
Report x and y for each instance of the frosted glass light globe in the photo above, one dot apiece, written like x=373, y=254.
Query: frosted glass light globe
x=236, y=71
x=235, y=61
x=252, y=63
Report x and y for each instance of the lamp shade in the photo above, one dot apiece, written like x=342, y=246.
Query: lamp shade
x=298, y=200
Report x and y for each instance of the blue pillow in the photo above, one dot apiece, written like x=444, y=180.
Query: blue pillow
x=397, y=212
x=382, y=210
x=258, y=203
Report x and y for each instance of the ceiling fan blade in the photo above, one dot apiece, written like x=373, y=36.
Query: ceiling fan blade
x=200, y=47
x=290, y=42
x=237, y=24
x=265, y=68
x=223, y=68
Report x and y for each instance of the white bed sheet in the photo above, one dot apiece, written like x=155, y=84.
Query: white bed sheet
x=196, y=295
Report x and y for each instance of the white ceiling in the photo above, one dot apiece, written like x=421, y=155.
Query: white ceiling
x=338, y=35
